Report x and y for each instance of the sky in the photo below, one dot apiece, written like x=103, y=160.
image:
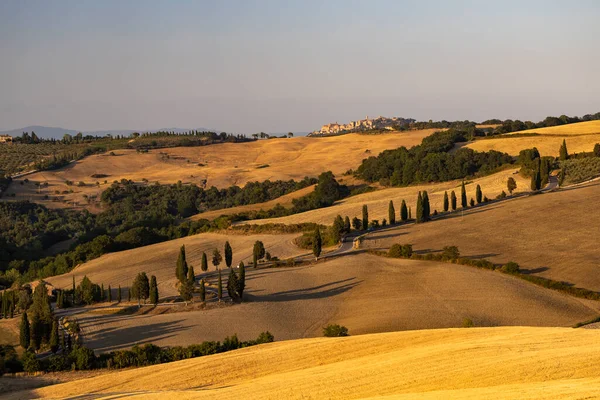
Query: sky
x=279, y=66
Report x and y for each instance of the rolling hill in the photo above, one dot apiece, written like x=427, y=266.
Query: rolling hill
x=580, y=137
x=551, y=235
x=500, y=363
x=220, y=165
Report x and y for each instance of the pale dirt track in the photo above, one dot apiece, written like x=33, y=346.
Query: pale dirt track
x=503, y=363
x=364, y=292
x=378, y=201
x=223, y=164
x=554, y=235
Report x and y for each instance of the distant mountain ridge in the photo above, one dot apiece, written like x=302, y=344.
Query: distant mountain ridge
x=48, y=132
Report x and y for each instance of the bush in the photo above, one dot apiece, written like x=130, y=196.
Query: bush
x=511, y=268
x=450, y=253
x=468, y=323
x=30, y=362
x=400, y=251
x=335, y=330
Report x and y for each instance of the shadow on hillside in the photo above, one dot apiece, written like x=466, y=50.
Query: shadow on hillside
x=316, y=292
x=478, y=256
x=115, y=338
x=535, y=270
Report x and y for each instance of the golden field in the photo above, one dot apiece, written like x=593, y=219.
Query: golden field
x=554, y=235
x=223, y=165
x=378, y=201
x=580, y=137
x=364, y=292
x=500, y=363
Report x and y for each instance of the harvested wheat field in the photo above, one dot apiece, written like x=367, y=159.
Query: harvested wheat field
x=579, y=128
x=580, y=137
x=159, y=259
x=364, y=292
x=220, y=165
x=554, y=235
x=504, y=363
x=378, y=201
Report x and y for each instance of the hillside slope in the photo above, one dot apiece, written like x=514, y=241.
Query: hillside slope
x=554, y=235
x=504, y=363
x=378, y=201
x=580, y=137
x=366, y=293
x=220, y=165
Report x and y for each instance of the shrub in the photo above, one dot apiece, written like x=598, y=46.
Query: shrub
x=400, y=251
x=468, y=323
x=511, y=268
x=450, y=253
x=335, y=330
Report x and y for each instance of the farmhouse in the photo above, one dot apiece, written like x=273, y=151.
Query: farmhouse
x=6, y=139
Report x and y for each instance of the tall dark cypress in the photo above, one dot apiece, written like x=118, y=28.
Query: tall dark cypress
x=119, y=294
x=478, y=194
x=182, y=268
x=365, y=217
x=391, y=213
x=453, y=200
x=446, y=202
x=54, y=337
x=420, y=208
x=317, y=243
x=564, y=154
x=154, y=290
x=25, y=332
x=463, y=195
x=426, y=206
x=228, y=254
x=202, y=291
x=242, y=281
x=403, y=211
x=220, y=287
x=204, y=265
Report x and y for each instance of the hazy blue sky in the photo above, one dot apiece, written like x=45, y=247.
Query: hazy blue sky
x=278, y=66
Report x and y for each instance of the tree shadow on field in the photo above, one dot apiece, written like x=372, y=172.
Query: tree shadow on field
x=477, y=256
x=316, y=292
x=110, y=339
x=534, y=270
x=469, y=211
x=387, y=236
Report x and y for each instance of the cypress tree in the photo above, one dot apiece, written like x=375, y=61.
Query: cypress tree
x=228, y=254
x=426, y=207
x=54, y=336
x=109, y=294
x=154, y=290
x=202, y=291
x=453, y=200
x=182, y=268
x=446, y=202
x=391, y=213
x=463, y=195
x=419, y=208
x=36, y=332
x=347, y=224
x=102, y=293
x=478, y=194
x=317, y=242
x=242, y=281
x=544, y=171
x=365, y=217
x=204, y=265
x=25, y=331
x=536, y=180
x=220, y=287
x=409, y=212
x=403, y=211
x=232, y=285
x=217, y=258
x=564, y=154
x=119, y=294
x=129, y=295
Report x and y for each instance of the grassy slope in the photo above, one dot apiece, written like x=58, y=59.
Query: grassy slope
x=224, y=164
x=378, y=201
x=554, y=234
x=120, y=268
x=367, y=293
x=517, y=362
x=580, y=137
